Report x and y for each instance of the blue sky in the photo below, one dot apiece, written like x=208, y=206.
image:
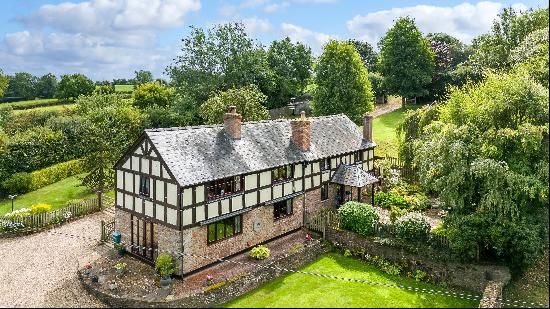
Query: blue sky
x=112, y=38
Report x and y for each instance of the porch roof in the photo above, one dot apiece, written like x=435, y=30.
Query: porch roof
x=352, y=175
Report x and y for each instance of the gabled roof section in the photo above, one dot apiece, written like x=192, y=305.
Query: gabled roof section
x=352, y=175
x=203, y=153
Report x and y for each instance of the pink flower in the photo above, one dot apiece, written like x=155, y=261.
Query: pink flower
x=308, y=237
x=209, y=277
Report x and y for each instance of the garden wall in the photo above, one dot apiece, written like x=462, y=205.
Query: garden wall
x=467, y=276
x=231, y=290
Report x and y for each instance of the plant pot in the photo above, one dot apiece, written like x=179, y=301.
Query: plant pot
x=119, y=271
x=121, y=252
x=165, y=282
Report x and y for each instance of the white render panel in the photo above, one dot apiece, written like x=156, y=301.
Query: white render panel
x=160, y=212
x=250, y=181
x=298, y=185
x=265, y=195
x=136, y=183
x=128, y=201
x=265, y=178
x=307, y=170
x=213, y=210
x=149, y=208
x=120, y=199
x=236, y=203
x=199, y=194
x=366, y=165
x=160, y=190
x=371, y=165
x=138, y=150
x=156, y=168
x=298, y=170
x=316, y=180
x=371, y=153
x=145, y=166
x=199, y=213
x=365, y=154
x=326, y=176
x=135, y=163
x=120, y=179
x=352, y=159
x=333, y=162
x=277, y=191
x=187, y=196
x=308, y=183
x=225, y=206
x=129, y=178
x=171, y=194
x=251, y=199
x=127, y=163
x=171, y=216
x=288, y=188
x=315, y=167
x=138, y=204
x=187, y=217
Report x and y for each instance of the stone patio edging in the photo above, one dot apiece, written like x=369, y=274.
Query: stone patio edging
x=231, y=290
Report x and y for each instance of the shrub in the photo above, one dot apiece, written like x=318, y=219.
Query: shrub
x=396, y=213
x=259, y=252
x=19, y=213
x=418, y=201
x=40, y=208
x=19, y=183
x=164, y=265
x=420, y=275
x=385, y=265
x=55, y=173
x=388, y=199
x=7, y=226
x=358, y=217
x=412, y=226
x=439, y=230
x=214, y=286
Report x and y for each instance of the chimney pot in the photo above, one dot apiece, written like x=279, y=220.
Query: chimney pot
x=232, y=122
x=367, y=127
x=301, y=132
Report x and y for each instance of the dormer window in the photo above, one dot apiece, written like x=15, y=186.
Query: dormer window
x=358, y=156
x=283, y=173
x=324, y=164
x=225, y=186
x=144, y=185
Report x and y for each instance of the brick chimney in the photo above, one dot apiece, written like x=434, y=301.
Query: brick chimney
x=301, y=132
x=367, y=127
x=232, y=122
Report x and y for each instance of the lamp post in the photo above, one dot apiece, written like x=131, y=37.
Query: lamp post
x=12, y=197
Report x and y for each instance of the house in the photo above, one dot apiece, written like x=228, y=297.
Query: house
x=216, y=190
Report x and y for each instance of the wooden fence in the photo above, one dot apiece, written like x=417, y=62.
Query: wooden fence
x=405, y=172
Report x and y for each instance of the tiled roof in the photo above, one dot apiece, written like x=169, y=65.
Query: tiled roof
x=203, y=153
x=352, y=175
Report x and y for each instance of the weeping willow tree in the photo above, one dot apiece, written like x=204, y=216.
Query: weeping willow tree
x=484, y=152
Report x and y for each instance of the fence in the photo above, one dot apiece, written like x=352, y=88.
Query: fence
x=405, y=171
x=107, y=228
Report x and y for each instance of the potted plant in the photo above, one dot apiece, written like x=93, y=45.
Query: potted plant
x=165, y=267
x=120, y=248
x=120, y=267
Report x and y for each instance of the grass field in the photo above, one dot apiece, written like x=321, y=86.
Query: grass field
x=384, y=131
x=28, y=103
x=56, y=194
x=124, y=88
x=299, y=290
x=46, y=108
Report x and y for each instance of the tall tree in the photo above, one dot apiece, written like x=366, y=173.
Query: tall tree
x=342, y=82
x=367, y=53
x=532, y=55
x=73, y=85
x=152, y=95
x=46, y=86
x=21, y=85
x=291, y=65
x=143, y=77
x=406, y=60
x=4, y=80
x=249, y=101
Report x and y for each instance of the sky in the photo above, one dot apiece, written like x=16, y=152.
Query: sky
x=107, y=39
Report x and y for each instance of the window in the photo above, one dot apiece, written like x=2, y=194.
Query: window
x=224, y=229
x=358, y=156
x=324, y=192
x=325, y=164
x=282, y=208
x=283, y=173
x=144, y=185
x=225, y=186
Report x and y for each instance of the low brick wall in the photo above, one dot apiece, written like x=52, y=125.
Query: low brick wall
x=466, y=276
x=492, y=295
x=225, y=293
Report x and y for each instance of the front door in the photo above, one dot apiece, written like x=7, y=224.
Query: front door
x=340, y=195
x=144, y=244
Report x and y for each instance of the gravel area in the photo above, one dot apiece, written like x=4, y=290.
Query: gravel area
x=435, y=216
x=39, y=270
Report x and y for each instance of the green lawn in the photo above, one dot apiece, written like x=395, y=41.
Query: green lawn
x=299, y=290
x=383, y=131
x=56, y=194
x=28, y=103
x=124, y=88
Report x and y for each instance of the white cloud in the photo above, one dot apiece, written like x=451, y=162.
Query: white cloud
x=315, y=40
x=256, y=25
x=464, y=21
x=272, y=8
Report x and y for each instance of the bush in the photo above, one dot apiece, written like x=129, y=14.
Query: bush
x=396, y=213
x=19, y=183
x=388, y=199
x=439, y=230
x=259, y=252
x=412, y=226
x=40, y=208
x=19, y=213
x=55, y=173
x=165, y=266
x=358, y=217
x=385, y=265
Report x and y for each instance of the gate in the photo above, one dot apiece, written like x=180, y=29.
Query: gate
x=319, y=220
x=107, y=228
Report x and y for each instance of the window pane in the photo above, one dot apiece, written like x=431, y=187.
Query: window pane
x=288, y=206
x=237, y=224
x=229, y=227
x=211, y=232
x=220, y=230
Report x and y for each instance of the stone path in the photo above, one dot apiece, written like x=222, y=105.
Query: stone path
x=381, y=109
x=39, y=270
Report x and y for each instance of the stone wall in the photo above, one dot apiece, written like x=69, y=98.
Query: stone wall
x=122, y=224
x=467, y=276
x=492, y=295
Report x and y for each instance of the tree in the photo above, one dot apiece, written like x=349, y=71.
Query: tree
x=21, y=85
x=46, y=86
x=342, y=82
x=458, y=52
x=73, y=85
x=152, y=95
x=367, y=53
x=221, y=58
x=249, y=101
x=291, y=65
x=406, y=60
x=143, y=77
x=4, y=80
x=532, y=55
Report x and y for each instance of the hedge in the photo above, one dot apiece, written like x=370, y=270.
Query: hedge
x=358, y=217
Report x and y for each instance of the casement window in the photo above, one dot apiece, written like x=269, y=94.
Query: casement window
x=223, y=229
x=324, y=192
x=144, y=185
x=225, y=186
x=358, y=156
x=325, y=164
x=282, y=209
x=283, y=173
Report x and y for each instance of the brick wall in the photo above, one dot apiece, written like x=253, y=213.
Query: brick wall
x=122, y=224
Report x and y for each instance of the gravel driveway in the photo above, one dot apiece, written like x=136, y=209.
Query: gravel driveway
x=39, y=270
